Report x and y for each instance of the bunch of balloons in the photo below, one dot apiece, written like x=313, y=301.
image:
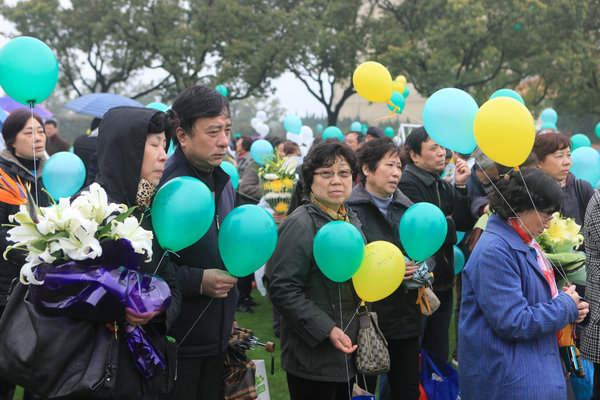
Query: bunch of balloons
x=304, y=139
x=258, y=124
x=373, y=82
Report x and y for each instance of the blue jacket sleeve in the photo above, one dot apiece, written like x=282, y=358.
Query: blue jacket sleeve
x=501, y=287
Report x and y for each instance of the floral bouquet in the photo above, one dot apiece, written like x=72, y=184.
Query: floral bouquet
x=82, y=261
x=278, y=180
x=559, y=242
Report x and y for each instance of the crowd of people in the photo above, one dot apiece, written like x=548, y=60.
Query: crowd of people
x=508, y=307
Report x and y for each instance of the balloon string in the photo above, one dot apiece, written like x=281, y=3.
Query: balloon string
x=163, y=256
x=345, y=355
x=389, y=103
x=35, y=177
x=195, y=322
x=351, y=319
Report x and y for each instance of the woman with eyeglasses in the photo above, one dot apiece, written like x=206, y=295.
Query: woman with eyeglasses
x=317, y=335
x=511, y=306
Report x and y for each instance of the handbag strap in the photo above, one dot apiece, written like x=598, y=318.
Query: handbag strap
x=428, y=360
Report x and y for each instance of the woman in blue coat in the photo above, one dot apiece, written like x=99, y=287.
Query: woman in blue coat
x=511, y=308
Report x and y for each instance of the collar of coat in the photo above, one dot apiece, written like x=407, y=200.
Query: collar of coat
x=360, y=195
x=9, y=156
x=427, y=178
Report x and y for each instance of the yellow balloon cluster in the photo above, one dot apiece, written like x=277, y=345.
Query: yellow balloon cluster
x=504, y=130
x=381, y=271
x=373, y=82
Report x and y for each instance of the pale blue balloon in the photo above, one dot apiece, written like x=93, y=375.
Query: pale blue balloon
x=319, y=128
x=158, y=106
x=548, y=125
x=232, y=172
x=355, y=127
x=508, y=93
x=549, y=115
x=448, y=119
x=333, y=132
x=222, y=89
x=292, y=124
x=586, y=164
x=580, y=140
x=261, y=150
x=63, y=174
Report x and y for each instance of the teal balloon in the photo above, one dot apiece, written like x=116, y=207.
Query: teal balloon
x=508, y=93
x=28, y=70
x=158, y=106
x=406, y=92
x=182, y=212
x=518, y=27
x=261, y=150
x=598, y=129
x=398, y=101
x=459, y=236
x=448, y=119
x=333, y=132
x=339, y=249
x=549, y=115
x=389, y=131
x=423, y=229
x=171, y=150
x=363, y=129
x=222, y=89
x=319, y=128
x=580, y=140
x=586, y=164
x=548, y=125
x=237, y=135
x=355, y=127
x=232, y=172
x=63, y=174
x=292, y=124
x=247, y=239
x=459, y=260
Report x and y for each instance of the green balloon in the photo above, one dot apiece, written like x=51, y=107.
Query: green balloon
x=158, y=106
x=363, y=129
x=28, y=70
x=580, y=140
x=182, y=212
x=339, y=249
x=333, y=132
x=247, y=239
x=222, y=89
x=232, y=172
x=406, y=92
x=389, y=131
x=423, y=229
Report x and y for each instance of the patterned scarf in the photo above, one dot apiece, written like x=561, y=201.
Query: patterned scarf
x=145, y=191
x=340, y=215
x=541, y=259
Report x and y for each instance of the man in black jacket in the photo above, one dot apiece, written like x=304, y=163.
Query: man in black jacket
x=421, y=182
x=209, y=292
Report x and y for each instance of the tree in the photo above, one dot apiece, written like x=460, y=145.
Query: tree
x=335, y=39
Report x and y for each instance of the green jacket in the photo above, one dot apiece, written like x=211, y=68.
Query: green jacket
x=309, y=302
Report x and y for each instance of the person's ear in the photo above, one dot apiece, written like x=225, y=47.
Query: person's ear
x=181, y=136
x=365, y=170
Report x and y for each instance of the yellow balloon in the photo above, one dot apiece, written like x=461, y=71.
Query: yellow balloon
x=381, y=271
x=373, y=82
x=504, y=130
x=401, y=79
x=397, y=87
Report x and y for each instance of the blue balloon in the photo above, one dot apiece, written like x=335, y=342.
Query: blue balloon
x=232, y=172
x=158, y=106
x=423, y=229
x=63, y=174
x=448, y=118
x=355, y=127
x=171, y=150
x=333, y=132
x=398, y=101
x=338, y=249
x=548, y=125
x=549, y=115
x=586, y=164
x=261, y=150
x=459, y=260
x=363, y=129
x=319, y=128
x=459, y=236
x=507, y=93
x=580, y=140
x=406, y=92
x=292, y=123
x=222, y=89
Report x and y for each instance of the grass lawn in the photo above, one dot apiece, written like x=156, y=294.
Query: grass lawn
x=261, y=322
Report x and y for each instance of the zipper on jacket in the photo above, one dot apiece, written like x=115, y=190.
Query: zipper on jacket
x=437, y=190
x=218, y=222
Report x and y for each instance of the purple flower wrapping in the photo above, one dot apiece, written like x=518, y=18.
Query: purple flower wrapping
x=146, y=356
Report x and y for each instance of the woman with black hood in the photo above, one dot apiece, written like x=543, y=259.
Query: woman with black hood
x=132, y=144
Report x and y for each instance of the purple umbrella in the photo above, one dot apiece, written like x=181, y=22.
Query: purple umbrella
x=9, y=105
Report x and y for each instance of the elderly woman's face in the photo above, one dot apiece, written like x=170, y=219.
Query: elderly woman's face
x=534, y=222
x=155, y=157
x=557, y=164
x=333, y=191
x=383, y=181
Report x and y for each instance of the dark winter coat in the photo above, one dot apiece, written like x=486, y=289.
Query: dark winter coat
x=421, y=186
x=210, y=335
x=398, y=314
x=478, y=193
x=9, y=269
x=577, y=195
x=309, y=303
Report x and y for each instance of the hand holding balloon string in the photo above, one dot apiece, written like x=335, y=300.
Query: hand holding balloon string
x=216, y=283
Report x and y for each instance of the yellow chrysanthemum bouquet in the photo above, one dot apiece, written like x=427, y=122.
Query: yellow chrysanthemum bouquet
x=278, y=181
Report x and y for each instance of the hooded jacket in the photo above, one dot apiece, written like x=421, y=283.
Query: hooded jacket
x=9, y=269
x=210, y=335
x=398, y=314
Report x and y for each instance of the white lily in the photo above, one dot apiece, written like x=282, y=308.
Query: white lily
x=93, y=204
x=130, y=229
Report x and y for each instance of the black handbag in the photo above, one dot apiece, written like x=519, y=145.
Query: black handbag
x=56, y=357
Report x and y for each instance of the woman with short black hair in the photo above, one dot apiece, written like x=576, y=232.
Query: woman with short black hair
x=511, y=307
x=314, y=344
